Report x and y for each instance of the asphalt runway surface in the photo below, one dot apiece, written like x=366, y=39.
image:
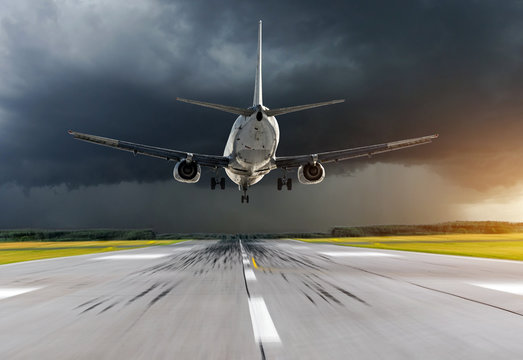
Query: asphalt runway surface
x=268, y=299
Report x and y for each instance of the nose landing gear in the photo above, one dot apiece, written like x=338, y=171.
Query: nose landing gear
x=245, y=197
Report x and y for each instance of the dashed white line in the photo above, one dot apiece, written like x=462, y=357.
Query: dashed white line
x=298, y=241
x=262, y=325
x=249, y=275
x=131, y=257
x=358, y=253
x=9, y=292
x=513, y=288
x=292, y=246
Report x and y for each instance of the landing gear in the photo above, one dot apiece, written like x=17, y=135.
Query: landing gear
x=284, y=181
x=215, y=180
x=245, y=197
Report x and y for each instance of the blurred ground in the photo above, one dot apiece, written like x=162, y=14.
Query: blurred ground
x=261, y=299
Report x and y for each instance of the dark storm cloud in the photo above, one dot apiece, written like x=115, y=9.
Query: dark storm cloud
x=170, y=206
x=406, y=69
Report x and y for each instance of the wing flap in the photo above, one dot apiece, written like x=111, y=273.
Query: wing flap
x=162, y=153
x=346, y=154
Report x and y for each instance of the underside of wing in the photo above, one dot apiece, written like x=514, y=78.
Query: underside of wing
x=346, y=154
x=162, y=153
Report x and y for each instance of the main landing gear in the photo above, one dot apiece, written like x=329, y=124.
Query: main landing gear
x=215, y=180
x=284, y=181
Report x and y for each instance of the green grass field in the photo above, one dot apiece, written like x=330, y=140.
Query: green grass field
x=499, y=246
x=11, y=252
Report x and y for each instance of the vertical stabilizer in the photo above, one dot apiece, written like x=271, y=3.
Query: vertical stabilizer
x=258, y=98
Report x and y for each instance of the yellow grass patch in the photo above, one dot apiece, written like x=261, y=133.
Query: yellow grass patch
x=11, y=252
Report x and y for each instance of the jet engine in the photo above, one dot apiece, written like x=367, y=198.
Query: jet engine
x=187, y=172
x=311, y=173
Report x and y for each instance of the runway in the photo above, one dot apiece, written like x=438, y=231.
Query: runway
x=273, y=299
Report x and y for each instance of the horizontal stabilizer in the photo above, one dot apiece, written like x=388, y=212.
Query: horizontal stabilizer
x=286, y=110
x=229, y=109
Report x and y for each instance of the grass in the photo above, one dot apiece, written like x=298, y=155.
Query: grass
x=499, y=246
x=11, y=252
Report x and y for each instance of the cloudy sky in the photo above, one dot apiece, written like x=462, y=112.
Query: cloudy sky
x=113, y=68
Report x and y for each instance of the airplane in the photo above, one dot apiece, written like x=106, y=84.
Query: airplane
x=250, y=151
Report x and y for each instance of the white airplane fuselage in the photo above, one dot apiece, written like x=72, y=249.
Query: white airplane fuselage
x=252, y=147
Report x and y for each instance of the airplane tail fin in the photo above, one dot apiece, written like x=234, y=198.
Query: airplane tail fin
x=258, y=97
x=226, y=108
x=286, y=110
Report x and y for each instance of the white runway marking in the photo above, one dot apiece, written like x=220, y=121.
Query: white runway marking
x=298, y=241
x=356, y=254
x=249, y=275
x=290, y=246
x=262, y=325
x=513, y=288
x=131, y=257
x=9, y=292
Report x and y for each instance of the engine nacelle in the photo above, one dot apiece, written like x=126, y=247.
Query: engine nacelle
x=187, y=172
x=311, y=174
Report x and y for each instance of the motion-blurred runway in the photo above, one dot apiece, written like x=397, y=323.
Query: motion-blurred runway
x=263, y=299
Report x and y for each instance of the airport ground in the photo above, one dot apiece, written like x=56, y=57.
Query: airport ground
x=278, y=299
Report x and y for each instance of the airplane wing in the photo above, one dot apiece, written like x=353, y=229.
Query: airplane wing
x=346, y=154
x=162, y=153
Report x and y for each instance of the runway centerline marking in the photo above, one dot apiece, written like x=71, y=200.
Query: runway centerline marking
x=131, y=257
x=357, y=254
x=262, y=325
x=249, y=275
x=9, y=292
x=513, y=288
